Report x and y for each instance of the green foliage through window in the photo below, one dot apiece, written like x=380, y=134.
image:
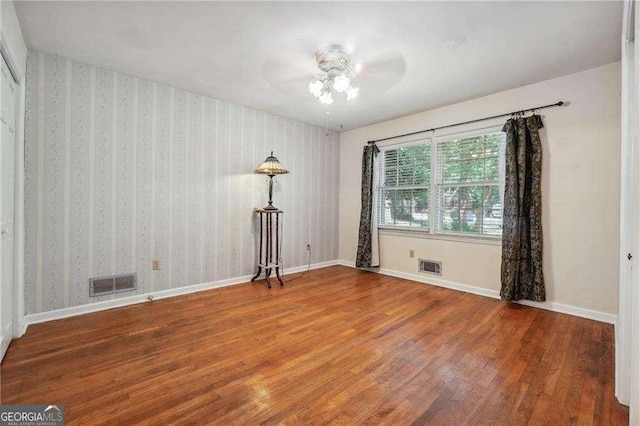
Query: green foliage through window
x=469, y=189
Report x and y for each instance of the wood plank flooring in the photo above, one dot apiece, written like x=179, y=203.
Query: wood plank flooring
x=336, y=346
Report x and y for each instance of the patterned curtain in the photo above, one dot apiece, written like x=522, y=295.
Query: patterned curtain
x=367, y=256
x=521, y=271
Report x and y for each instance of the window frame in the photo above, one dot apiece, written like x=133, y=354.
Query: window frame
x=434, y=230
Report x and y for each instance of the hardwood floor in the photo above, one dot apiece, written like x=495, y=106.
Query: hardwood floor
x=336, y=346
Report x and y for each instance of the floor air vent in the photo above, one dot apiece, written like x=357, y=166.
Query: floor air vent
x=430, y=266
x=100, y=286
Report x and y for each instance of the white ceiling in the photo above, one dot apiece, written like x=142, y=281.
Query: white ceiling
x=415, y=55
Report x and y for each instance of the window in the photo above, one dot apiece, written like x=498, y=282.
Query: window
x=466, y=187
x=404, y=186
x=469, y=184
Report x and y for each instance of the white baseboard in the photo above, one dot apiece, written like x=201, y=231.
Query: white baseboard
x=23, y=327
x=141, y=298
x=573, y=310
x=296, y=269
x=4, y=345
x=163, y=294
x=550, y=306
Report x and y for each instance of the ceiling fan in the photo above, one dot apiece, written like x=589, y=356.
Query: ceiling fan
x=290, y=71
x=335, y=72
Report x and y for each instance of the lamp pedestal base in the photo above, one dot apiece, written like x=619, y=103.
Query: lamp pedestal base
x=269, y=249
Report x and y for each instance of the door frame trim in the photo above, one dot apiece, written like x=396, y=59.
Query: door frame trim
x=19, y=325
x=627, y=328
x=628, y=176
x=10, y=58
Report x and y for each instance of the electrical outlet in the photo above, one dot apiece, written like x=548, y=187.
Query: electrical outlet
x=308, y=247
x=412, y=253
x=155, y=265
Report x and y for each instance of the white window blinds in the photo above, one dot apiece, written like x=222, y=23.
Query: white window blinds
x=404, y=186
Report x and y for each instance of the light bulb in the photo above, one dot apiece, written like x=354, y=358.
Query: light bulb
x=326, y=98
x=341, y=83
x=352, y=92
x=316, y=88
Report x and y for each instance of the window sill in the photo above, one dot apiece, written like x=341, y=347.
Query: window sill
x=415, y=233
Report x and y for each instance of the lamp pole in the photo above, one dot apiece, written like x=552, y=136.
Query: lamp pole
x=270, y=206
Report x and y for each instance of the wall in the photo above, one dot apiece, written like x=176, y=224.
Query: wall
x=581, y=165
x=121, y=171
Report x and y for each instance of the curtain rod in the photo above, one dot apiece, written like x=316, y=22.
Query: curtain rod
x=469, y=122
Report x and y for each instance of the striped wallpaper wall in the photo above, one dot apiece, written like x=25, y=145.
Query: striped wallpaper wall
x=121, y=171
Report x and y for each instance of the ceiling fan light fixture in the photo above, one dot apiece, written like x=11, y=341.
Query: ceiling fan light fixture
x=335, y=73
x=315, y=87
x=326, y=98
x=352, y=92
x=341, y=83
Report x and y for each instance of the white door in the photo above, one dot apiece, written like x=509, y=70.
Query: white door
x=628, y=323
x=628, y=225
x=634, y=284
x=7, y=175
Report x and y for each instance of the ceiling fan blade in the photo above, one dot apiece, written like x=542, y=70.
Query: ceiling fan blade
x=291, y=70
x=382, y=74
x=395, y=62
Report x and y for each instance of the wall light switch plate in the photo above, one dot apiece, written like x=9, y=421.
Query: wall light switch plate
x=412, y=253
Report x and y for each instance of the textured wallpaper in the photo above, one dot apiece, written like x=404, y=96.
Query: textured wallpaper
x=121, y=171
